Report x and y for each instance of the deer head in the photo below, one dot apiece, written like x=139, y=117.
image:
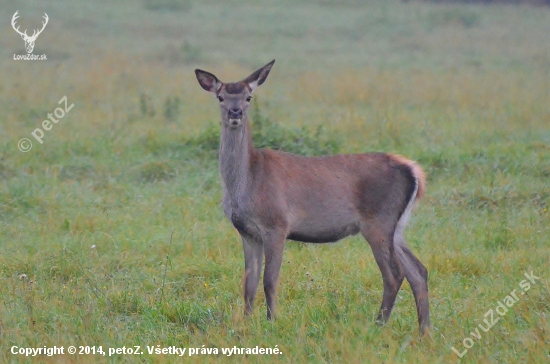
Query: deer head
x=234, y=97
x=29, y=41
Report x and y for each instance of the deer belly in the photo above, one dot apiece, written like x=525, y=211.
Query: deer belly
x=312, y=234
x=322, y=220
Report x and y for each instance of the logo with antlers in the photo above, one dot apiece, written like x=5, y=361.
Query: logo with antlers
x=29, y=40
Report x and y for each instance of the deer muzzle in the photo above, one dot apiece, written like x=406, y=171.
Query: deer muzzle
x=235, y=117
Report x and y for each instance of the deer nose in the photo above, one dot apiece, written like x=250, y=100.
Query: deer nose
x=235, y=113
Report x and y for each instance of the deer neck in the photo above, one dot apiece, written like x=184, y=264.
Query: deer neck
x=236, y=151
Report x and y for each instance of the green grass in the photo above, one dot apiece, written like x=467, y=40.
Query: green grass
x=86, y=218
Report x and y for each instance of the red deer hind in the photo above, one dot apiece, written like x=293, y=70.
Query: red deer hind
x=272, y=196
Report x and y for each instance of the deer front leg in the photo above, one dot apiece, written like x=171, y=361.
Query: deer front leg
x=273, y=249
x=253, y=256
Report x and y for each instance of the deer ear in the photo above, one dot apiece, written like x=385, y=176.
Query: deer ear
x=259, y=77
x=208, y=81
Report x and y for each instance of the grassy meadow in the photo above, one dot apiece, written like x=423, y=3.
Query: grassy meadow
x=112, y=232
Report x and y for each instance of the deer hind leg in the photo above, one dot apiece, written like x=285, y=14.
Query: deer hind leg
x=382, y=247
x=417, y=275
x=253, y=256
x=415, y=272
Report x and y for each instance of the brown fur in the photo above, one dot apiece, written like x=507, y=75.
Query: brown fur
x=272, y=196
x=417, y=172
x=235, y=88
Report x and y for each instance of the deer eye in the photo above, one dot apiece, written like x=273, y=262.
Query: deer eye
x=248, y=98
x=220, y=98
